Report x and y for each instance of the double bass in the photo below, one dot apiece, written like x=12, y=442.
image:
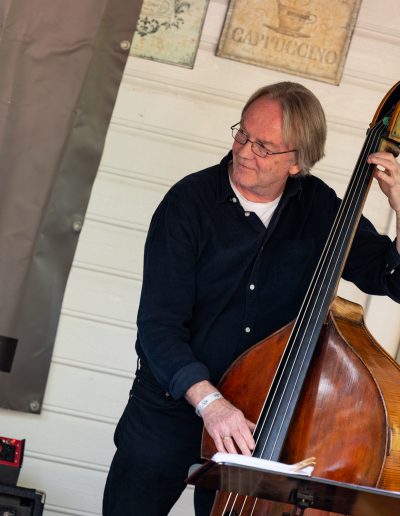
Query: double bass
x=325, y=387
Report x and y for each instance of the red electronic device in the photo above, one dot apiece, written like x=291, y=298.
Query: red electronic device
x=11, y=456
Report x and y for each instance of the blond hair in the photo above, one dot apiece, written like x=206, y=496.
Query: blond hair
x=304, y=124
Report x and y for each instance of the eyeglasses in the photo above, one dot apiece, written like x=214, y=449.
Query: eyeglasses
x=258, y=148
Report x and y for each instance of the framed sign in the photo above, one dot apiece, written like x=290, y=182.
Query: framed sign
x=169, y=31
x=310, y=38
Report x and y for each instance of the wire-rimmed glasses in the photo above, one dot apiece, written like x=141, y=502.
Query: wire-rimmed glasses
x=258, y=148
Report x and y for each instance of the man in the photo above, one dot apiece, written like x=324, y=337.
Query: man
x=229, y=256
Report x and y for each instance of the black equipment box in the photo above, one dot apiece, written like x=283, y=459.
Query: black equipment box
x=20, y=501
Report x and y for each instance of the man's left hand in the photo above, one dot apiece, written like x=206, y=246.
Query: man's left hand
x=387, y=174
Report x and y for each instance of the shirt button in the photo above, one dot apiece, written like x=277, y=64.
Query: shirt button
x=252, y=287
x=234, y=199
x=247, y=214
x=247, y=329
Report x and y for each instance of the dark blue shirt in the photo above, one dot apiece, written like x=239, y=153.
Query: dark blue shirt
x=216, y=281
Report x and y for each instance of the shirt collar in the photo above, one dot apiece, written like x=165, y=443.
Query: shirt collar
x=293, y=184
x=224, y=188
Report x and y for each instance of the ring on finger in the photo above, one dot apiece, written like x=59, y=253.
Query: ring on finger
x=226, y=437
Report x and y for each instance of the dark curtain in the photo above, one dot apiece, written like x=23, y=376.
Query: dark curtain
x=61, y=63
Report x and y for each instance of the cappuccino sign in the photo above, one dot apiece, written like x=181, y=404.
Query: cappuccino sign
x=303, y=37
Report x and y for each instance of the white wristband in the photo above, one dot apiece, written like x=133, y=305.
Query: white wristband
x=207, y=400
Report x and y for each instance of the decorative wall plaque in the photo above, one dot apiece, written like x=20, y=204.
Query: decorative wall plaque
x=169, y=31
x=310, y=38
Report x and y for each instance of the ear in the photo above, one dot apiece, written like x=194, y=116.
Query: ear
x=294, y=169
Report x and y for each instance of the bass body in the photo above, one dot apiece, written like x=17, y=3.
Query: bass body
x=347, y=416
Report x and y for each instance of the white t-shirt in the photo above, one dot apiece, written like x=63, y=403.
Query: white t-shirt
x=264, y=210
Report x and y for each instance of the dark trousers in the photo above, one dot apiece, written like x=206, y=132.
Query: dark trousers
x=157, y=440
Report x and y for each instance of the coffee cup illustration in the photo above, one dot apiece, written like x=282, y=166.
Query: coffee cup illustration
x=293, y=18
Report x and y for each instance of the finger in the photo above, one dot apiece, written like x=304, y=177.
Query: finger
x=382, y=160
x=384, y=177
x=381, y=155
x=219, y=444
x=229, y=444
x=223, y=439
x=241, y=443
x=243, y=437
x=382, y=168
x=251, y=425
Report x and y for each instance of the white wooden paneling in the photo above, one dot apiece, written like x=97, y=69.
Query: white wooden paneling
x=111, y=247
x=125, y=200
x=157, y=155
x=68, y=487
x=169, y=121
x=95, y=342
x=62, y=436
x=90, y=393
x=111, y=297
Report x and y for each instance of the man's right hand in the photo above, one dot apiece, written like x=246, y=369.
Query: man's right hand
x=228, y=427
x=226, y=424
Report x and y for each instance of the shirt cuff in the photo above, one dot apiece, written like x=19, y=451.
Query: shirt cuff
x=392, y=259
x=186, y=377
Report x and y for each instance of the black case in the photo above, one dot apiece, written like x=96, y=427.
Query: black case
x=20, y=501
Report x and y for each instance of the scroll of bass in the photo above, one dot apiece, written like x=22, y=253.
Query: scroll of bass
x=322, y=386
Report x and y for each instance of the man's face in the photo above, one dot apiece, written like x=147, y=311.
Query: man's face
x=262, y=179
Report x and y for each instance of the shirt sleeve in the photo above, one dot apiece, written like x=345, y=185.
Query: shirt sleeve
x=373, y=263
x=168, y=296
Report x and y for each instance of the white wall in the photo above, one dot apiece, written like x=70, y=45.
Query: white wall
x=169, y=121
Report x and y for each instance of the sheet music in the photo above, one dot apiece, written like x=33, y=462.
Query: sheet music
x=305, y=467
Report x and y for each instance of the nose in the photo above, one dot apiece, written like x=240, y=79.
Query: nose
x=245, y=150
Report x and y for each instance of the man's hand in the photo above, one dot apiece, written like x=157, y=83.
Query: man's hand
x=226, y=424
x=228, y=427
x=388, y=177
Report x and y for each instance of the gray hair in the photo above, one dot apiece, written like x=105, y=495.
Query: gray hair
x=304, y=123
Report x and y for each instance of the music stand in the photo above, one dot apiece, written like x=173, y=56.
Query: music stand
x=298, y=490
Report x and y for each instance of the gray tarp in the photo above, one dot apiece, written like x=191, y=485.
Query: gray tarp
x=61, y=63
